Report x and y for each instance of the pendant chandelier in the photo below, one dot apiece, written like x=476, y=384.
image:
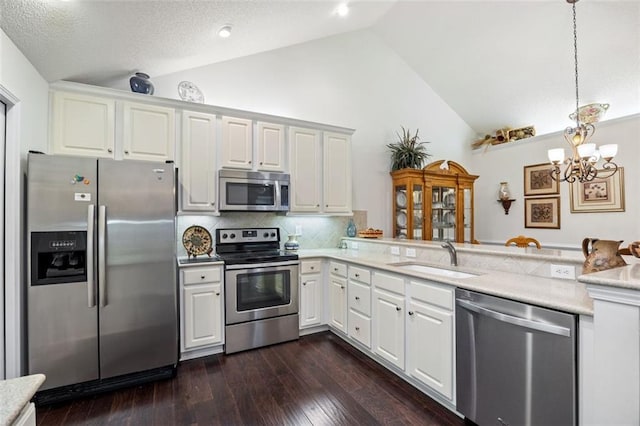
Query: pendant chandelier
x=581, y=166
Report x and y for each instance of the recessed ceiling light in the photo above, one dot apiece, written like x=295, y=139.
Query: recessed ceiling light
x=342, y=10
x=225, y=31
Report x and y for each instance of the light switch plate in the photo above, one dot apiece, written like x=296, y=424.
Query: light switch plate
x=299, y=230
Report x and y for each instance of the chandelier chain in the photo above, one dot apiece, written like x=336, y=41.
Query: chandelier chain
x=575, y=59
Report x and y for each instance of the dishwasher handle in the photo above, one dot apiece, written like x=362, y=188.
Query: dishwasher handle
x=521, y=322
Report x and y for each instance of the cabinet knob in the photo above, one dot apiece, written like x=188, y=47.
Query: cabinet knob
x=335, y=269
x=213, y=204
x=261, y=163
x=342, y=287
x=357, y=275
x=202, y=277
x=126, y=152
x=357, y=328
x=326, y=205
x=249, y=161
x=109, y=150
x=217, y=294
x=304, y=283
x=312, y=267
x=398, y=308
x=357, y=297
x=410, y=312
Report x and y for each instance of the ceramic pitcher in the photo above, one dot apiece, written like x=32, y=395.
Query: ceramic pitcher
x=603, y=255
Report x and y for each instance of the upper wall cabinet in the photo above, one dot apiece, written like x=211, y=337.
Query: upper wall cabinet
x=198, y=162
x=148, y=132
x=237, y=143
x=271, y=147
x=86, y=125
x=305, y=170
x=336, y=160
x=82, y=125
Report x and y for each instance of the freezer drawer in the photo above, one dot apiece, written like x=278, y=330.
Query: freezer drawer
x=515, y=362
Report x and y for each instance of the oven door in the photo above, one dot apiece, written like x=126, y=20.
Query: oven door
x=260, y=291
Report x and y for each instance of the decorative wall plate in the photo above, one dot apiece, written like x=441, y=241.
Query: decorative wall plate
x=189, y=92
x=196, y=241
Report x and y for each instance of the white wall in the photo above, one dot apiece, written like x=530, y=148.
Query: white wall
x=351, y=80
x=506, y=162
x=26, y=129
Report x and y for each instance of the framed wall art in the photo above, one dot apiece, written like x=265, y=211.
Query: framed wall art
x=599, y=195
x=538, y=180
x=542, y=212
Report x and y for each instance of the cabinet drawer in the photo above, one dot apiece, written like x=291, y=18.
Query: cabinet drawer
x=434, y=294
x=202, y=275
x=360, y=298
x=389, y=282
x=360, y=274
x=338, y=269
x=360, y=328
x=310, y=266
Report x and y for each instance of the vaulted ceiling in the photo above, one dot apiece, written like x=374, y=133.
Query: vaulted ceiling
x=496, y=63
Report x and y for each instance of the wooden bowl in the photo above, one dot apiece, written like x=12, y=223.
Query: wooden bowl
x=634, y=248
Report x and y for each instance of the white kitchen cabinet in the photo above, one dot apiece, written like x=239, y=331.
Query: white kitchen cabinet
x=82, y=125
x=430, y=334
x=148, y=132
x=336, y=160
x=306, y=169
x=202, y=307
x=311, y=293
x=271, y=149
x=237, y=143
x=359, y=304
x=338, y=296
x=198, y=162
x=388, y=318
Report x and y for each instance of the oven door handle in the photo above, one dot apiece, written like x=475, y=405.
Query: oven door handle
x=262, y=265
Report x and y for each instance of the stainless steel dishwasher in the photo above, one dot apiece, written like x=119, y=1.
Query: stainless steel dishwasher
x=516, y=363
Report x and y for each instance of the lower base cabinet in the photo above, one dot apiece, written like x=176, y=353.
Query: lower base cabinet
x=388, y=318
x=338, y=302
x=311, y=293
x=202, y=316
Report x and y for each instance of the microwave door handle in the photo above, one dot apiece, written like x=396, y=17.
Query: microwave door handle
x=102, y=273
x=91, y=291
x=278, y=200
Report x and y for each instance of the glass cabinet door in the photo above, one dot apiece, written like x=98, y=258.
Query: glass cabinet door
x=443, y=210
x=401, y=219
x=467, y=215
x=418, y=213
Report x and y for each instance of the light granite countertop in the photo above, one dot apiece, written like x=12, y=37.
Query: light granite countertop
x=15, y=394
x=565, y=295
x=624, y=277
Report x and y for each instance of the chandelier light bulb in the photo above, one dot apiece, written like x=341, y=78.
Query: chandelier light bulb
x=586, y=150
x=609, y=151
x=556, y=155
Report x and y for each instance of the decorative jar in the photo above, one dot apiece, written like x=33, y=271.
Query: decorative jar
x=351, y=229
x=292, y=243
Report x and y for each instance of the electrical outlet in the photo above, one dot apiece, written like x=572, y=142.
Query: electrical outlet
x=354, y=245
x=298, y=229
x=395, y=250
x=563, y=271
x=411, y=252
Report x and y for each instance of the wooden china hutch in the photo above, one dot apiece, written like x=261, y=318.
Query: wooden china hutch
x=433, y=203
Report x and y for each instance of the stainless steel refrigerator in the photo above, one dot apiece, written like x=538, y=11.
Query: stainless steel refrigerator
x=101, y=275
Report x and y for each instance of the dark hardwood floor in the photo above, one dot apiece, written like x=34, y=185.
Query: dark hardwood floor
x=317, y=380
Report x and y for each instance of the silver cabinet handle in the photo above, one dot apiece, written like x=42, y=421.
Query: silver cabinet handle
x=102, y=255
x=91, y=291
x=357, y=297
x=522, y=322
x=410, y=312
x=398, y=308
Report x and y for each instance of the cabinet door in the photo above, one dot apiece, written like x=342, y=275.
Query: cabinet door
x=202, y=315
x=388, y=327
x=198, y=163
x=310, y=300
x=271, y=147
x=82, y=125
x=336, y=157
x=338, y=303
x=430, y=347
x=237, y=143
x=305, y=169
x=149, y=132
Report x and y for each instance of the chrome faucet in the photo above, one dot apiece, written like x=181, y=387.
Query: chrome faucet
x=452, y=252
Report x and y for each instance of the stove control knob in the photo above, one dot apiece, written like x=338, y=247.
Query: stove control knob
x=224, y=236
x=273, y=234
x=266, y=234
x=232, y=236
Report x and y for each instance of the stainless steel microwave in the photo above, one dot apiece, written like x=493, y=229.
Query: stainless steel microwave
x=253, y=191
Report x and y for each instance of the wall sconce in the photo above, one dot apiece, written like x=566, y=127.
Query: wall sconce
x=504, y=197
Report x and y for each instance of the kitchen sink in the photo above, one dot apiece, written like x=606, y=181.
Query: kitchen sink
x=432, y=270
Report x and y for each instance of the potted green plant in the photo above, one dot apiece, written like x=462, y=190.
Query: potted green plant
x=407, y=152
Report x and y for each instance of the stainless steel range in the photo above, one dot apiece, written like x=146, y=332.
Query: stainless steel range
x=261, y=287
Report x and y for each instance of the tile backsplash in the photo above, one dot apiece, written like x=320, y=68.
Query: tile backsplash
x=317, y=231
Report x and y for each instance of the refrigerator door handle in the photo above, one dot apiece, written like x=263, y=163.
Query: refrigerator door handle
x=102, y=272
x=91, y=290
